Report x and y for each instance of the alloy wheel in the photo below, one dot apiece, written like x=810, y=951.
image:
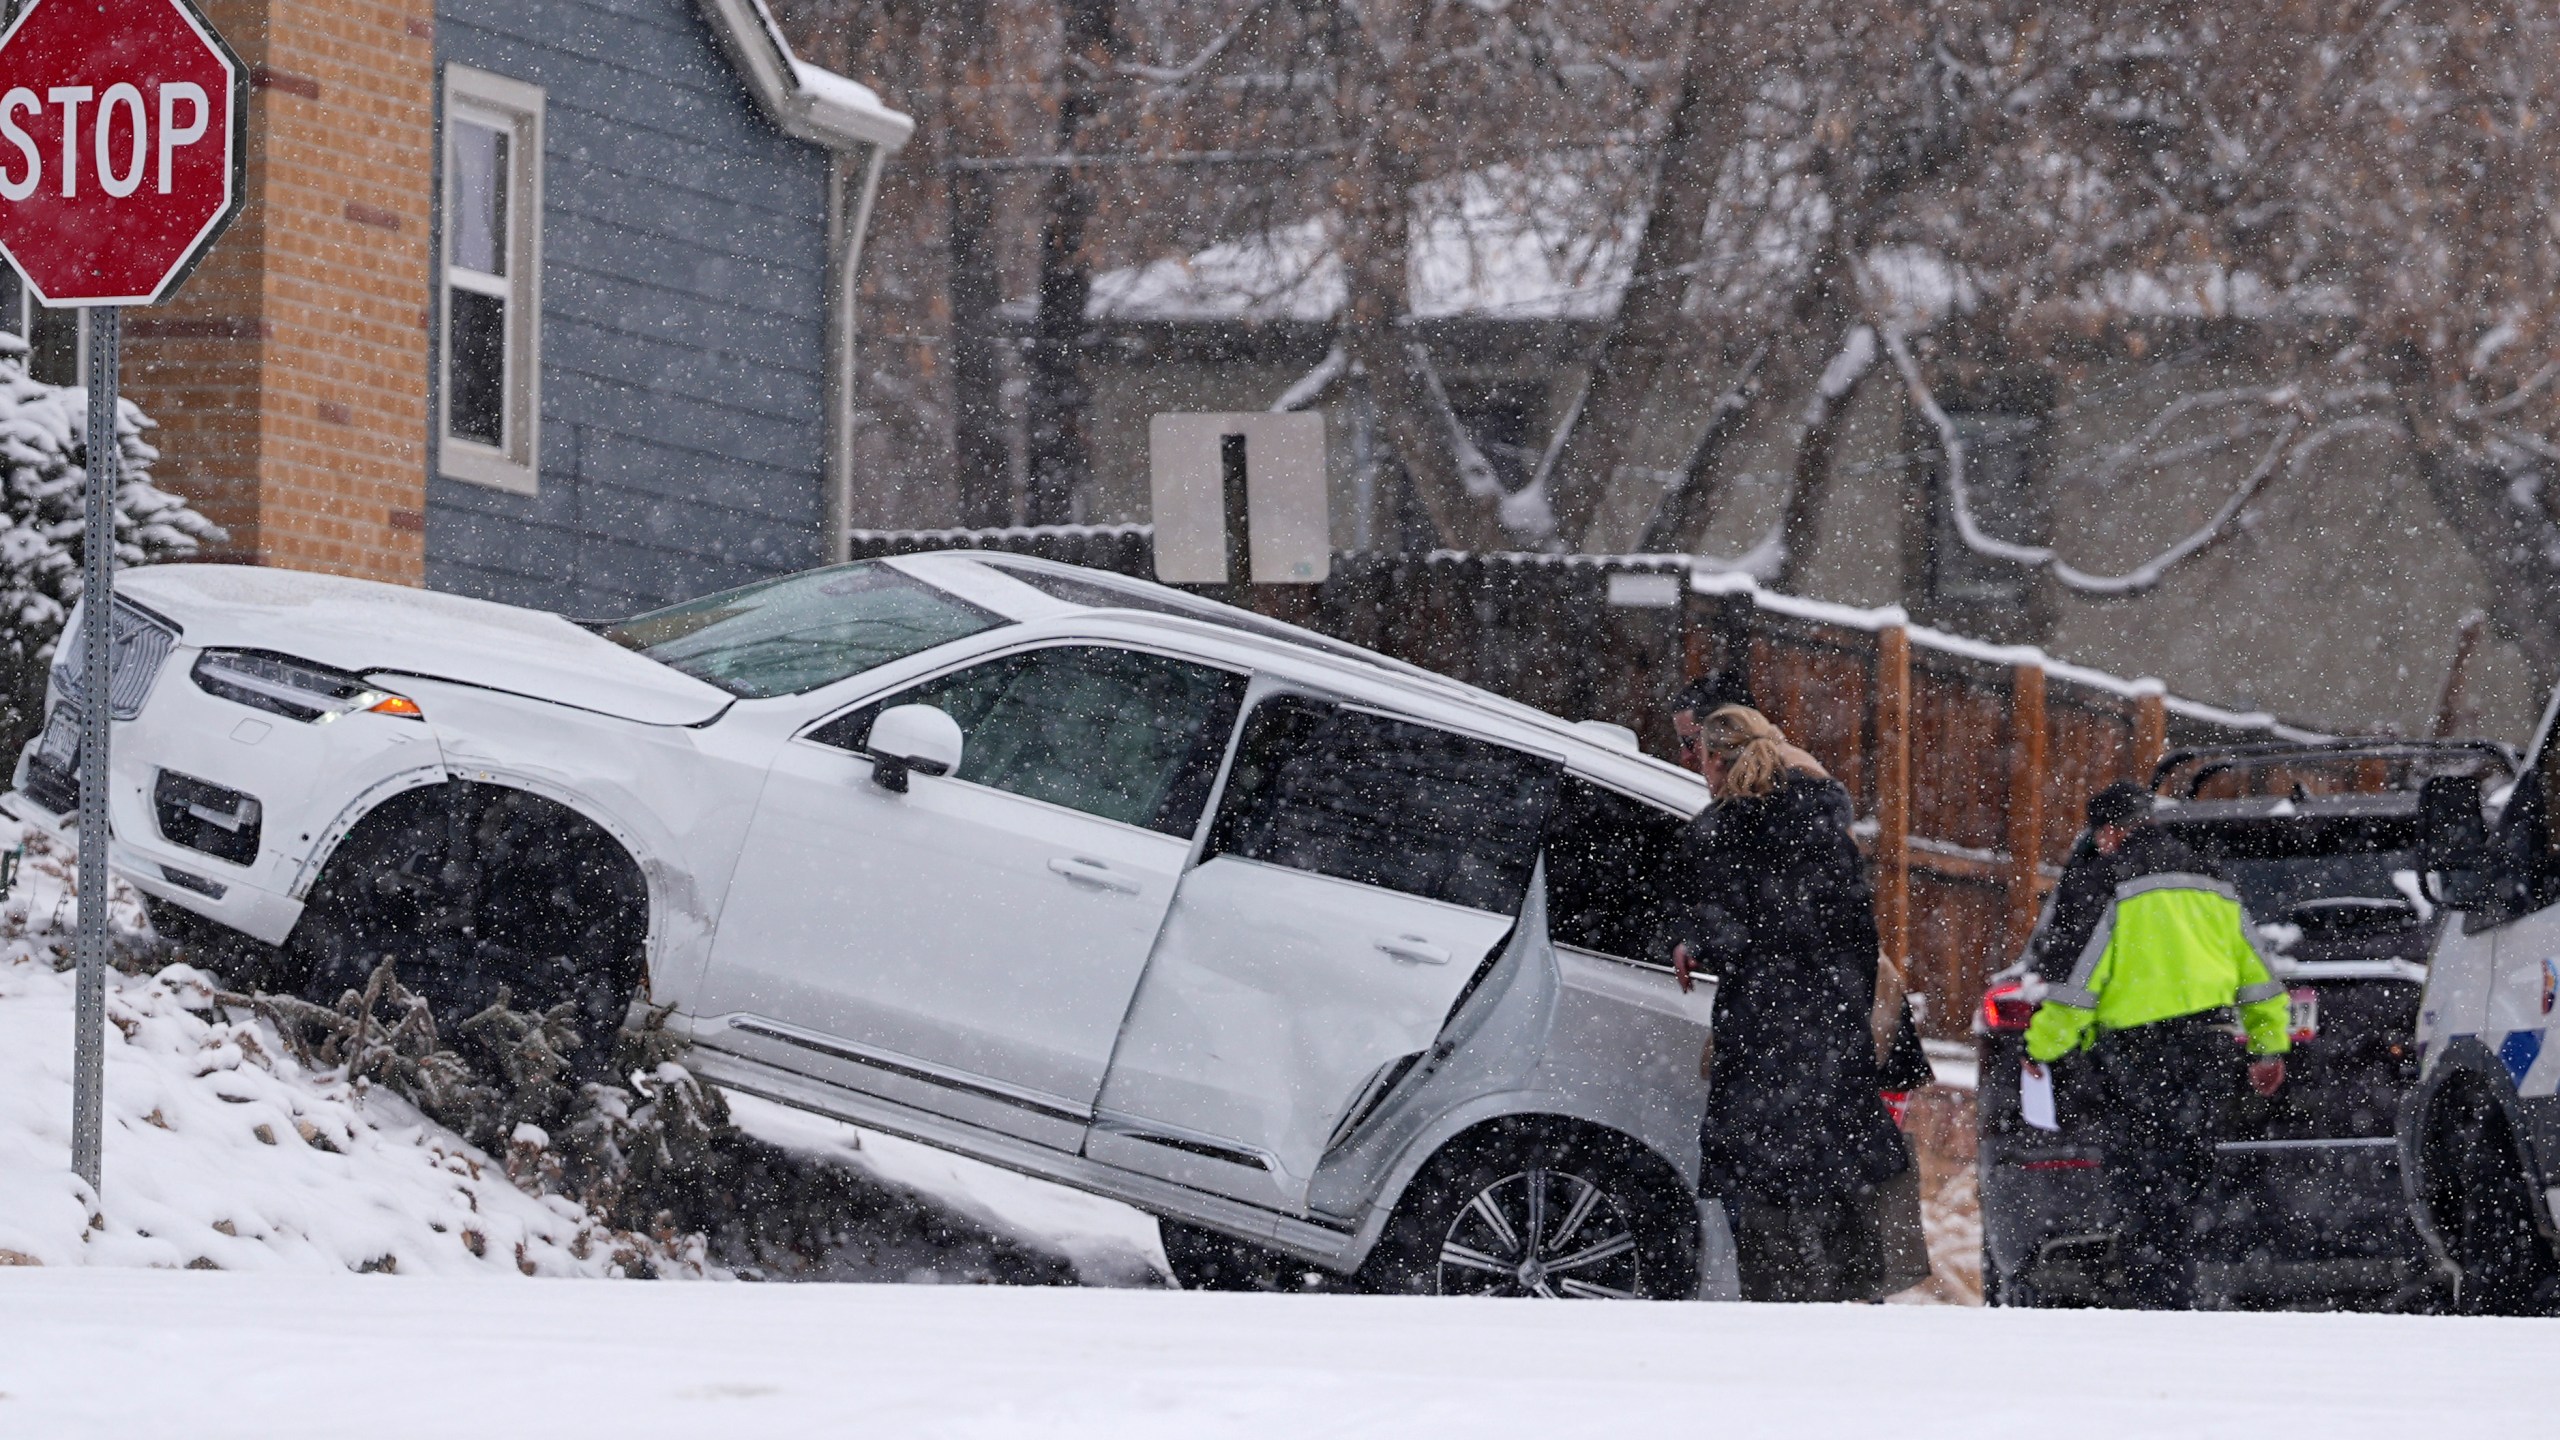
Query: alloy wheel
x=1545, y=1233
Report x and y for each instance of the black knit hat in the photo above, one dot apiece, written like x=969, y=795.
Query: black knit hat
x=1707, y=694
x=2124, y=804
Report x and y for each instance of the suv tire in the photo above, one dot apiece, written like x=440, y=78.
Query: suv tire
x=2487, y=1219
x=470, y=889
x=1557, y=1214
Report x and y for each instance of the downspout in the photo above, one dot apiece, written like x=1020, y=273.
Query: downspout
x=847, y=225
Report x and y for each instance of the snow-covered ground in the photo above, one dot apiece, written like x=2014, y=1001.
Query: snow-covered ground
x=209, y=1357
x=1107, y=1242
x=223, y=1152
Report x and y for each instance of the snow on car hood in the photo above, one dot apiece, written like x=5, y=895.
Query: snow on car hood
x=367, y=627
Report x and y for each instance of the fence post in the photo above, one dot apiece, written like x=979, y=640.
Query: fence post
x=2026, y=800
x=1893, y=796
x=2150, y=733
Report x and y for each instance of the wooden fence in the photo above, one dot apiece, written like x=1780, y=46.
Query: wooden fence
x=1969, y=764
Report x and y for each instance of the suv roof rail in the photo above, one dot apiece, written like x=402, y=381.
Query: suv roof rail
x=2253, y=754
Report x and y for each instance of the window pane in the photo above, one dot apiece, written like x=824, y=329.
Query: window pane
x=1362, y=797
x=1124, y=735
x=795, y=634
x=476, y=368
x=479, y=218
x=1607, y=856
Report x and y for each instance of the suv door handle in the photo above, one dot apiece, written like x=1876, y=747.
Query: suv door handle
x=1092, y=872
x=1415, y=949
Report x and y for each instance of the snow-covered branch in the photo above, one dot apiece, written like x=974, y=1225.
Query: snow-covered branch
x=1189, y=70
x=1309, y=388
x=1474, y=471
x=2281, y=453
x=1526, y=512
x=1841, y=376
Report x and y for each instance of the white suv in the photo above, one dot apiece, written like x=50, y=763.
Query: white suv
x=1322, y=958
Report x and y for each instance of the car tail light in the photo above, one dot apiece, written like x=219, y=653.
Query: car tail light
x=1898, y=1102
x=2006, y=1009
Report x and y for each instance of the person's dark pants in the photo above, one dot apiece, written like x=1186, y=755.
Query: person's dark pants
x=2169, y=1090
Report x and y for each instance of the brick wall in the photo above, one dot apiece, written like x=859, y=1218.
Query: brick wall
x=289, y=376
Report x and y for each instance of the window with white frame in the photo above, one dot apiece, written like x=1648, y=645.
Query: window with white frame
x=490, y=294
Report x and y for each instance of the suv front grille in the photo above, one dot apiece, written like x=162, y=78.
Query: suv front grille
x=138, y=647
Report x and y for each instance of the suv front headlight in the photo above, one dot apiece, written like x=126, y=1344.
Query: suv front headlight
x=295, y=689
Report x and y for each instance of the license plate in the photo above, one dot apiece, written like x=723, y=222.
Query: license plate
x=2306, y=1014
x=59, y=748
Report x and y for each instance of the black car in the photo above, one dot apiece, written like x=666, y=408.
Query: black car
x=2322, y=842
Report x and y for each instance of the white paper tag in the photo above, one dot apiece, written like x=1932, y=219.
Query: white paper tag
x=2035, y=1096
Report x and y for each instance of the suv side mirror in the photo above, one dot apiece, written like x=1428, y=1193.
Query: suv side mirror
x=908, y=738
x=2453, y=840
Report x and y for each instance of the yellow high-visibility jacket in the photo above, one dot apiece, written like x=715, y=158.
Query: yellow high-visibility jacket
x=2168, y=945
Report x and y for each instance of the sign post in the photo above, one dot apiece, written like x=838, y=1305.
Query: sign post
x=1240, y=498
x=122, y=138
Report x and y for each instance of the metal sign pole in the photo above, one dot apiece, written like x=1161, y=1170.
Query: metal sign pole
x=97, y=637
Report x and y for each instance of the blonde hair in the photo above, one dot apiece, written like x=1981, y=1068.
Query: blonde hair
x=1756, y=752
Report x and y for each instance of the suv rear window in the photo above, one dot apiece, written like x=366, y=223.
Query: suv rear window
x=803, y=631
x=2296, y=870
x=1385, y=802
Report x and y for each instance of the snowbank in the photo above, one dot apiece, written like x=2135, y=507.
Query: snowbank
x=1106, y=1242
x=211, y=1357
x=222, y=1153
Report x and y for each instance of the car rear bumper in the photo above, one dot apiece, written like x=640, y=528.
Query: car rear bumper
x=2301, y=1223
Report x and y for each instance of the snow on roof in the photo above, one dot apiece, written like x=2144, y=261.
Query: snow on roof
x=1490, y=242
x=807, y=101
x=1501, y=243
x=977, y=537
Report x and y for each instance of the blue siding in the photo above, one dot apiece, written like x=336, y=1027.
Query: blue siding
x=683, y=321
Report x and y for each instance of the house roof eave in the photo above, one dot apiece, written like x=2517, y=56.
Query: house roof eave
x=806, y=101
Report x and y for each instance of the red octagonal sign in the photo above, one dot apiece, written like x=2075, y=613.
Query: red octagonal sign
x=120, y=147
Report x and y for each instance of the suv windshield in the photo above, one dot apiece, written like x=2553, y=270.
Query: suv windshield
x=786, y=636
x=1110, y=592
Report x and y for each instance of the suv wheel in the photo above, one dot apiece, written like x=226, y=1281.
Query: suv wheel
x=1553, y=1216
x=2488, y=1220
x=470, y=888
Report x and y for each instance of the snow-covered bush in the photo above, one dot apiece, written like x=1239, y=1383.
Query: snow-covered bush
x=43, y=459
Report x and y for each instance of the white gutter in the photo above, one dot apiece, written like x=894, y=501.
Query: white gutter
x=805, y=101
x=817, y=105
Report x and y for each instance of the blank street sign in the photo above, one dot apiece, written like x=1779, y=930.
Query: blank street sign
x=1240, y=492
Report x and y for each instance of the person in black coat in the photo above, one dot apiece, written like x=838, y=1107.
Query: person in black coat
x=1771, y=896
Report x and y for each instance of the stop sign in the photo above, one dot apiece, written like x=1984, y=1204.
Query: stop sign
x=120, y=147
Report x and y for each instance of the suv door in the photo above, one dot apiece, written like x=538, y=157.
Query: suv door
x=1361, y=874
x=970, y=946
x=2524, y=985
